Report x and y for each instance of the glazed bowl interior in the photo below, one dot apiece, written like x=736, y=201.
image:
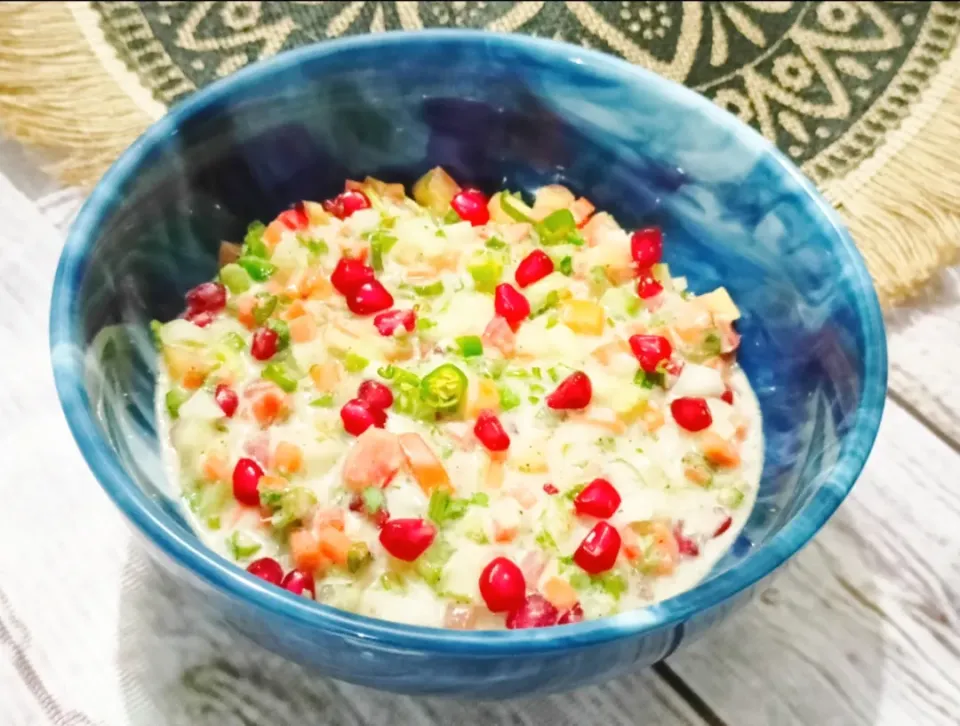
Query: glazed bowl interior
x=495, y=112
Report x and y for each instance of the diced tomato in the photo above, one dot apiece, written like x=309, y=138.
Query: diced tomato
x=498, y=334
x=374, y=460
x=305, y=550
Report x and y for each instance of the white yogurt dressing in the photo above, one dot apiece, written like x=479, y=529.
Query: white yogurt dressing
x=647, y=464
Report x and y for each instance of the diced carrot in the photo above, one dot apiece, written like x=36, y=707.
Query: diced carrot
x=330, y=517
x=268, y=401
x=631, y=545
x=186, y=365
x=502, y=533
x=272, y=481
x=664, y=542
x=245, y=306
x=373, y=461
x=303, y=329
x=493, y=478
x=325, y=376
x=334, y=545
x=287, y=458
x=193, y=378
x=525, y=498
x=294, y=310
x=608, y=351
x=314, y=285
x=560, y=593
x=603, y=418
x=697, y=474
x=583, y=316
x=718, y=451
x=425, y=466
x=273, y=233
x=482, y=394
x=305, y=550
x=215, y=468
x=652, y=418
x=498, y=335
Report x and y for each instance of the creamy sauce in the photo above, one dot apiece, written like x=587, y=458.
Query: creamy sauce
x=627, y=435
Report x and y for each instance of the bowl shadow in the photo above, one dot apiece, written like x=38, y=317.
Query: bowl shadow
x=182, y=666
x=785, y=658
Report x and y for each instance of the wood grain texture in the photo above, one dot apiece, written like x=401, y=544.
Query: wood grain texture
x=862, y=626
x=924, y=346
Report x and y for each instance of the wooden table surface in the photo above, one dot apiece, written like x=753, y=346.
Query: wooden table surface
x=860, y=628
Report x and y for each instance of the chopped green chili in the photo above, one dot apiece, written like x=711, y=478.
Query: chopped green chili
x=443, y=388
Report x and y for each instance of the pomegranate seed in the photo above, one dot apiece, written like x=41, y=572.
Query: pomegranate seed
x=297, y=581
x=207, y=297
x=226, y=399
x=356, y=503
x=407, y=539
x=502, y=585
x=345, y=204
x=727, y=397
x=550, y=489
x=264, y=344
x=724, y=526
x=389, y=322
x=648, y=287
x=646, y=246
x=571, y=616
x=599, y=549
x=266, y=568
x=201, y=319
x=371, y=297
x=686, y=545
x=295, y=218
x=535, y=266
x=471, y=205
x=535, y=612
x=691, y=414
x=381, y=518
x=598, y=499
x=510, y=304
x=651, y=351
x=375, y=394
x=246, y=477
x=574, y=392
x=349, y=275
x=490, y=432
x=358, y=415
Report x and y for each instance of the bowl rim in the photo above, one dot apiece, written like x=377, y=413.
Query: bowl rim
x=217, y=572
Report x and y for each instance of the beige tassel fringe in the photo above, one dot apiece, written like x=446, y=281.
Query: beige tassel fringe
x=902, y=205
x=56, y=94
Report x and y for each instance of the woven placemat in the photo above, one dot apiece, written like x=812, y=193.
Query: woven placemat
x=864, y=97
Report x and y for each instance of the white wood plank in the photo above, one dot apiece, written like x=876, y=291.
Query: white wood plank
x=862, y=626
x=924, y=347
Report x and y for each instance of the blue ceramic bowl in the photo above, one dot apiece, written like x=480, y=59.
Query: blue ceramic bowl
x=493, y=110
